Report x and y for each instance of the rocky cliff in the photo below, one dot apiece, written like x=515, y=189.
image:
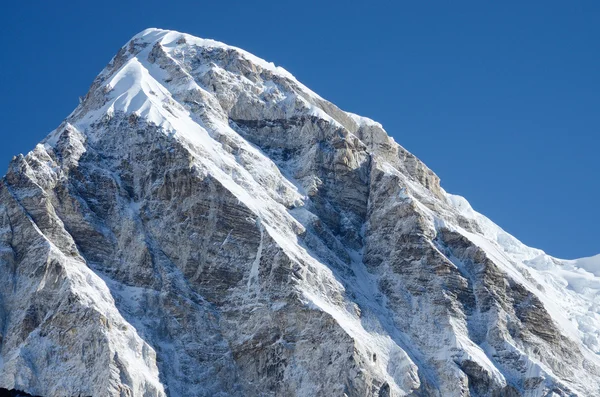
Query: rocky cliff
x=205, y=225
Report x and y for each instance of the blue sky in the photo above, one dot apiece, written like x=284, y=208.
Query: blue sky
x=501, y=99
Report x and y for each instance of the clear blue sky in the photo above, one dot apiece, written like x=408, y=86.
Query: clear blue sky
x=500, y=98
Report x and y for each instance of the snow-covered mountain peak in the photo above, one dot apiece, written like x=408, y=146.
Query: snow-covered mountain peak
x=203, y=224
x=185, y=59
x=172, y=39
x=179, y=82
x=161, y=63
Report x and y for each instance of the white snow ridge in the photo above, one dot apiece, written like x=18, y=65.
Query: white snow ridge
x=205, y=225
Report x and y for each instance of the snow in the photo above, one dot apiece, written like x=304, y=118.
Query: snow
x=569, y=289
x=590, y=264
x=124, y=340
x=169, y=39
x=364, y=121
x=253, y=277
x=392, y=361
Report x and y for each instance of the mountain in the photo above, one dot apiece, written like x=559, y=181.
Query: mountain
x=205, y=225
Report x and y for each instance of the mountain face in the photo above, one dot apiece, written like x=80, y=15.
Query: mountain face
x=205, y=225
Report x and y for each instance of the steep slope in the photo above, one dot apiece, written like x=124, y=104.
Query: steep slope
x=205, y=225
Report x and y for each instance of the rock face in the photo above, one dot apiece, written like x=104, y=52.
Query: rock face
x=205, y=225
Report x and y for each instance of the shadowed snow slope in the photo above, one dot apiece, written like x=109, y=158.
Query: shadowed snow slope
x=205, y=225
